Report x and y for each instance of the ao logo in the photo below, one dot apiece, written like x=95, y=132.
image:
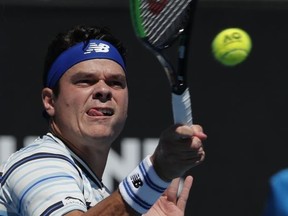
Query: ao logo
x=235, y=36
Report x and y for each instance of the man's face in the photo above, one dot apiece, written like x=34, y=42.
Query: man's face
x=92, y=102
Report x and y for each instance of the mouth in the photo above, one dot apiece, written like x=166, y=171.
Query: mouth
x=100, y=112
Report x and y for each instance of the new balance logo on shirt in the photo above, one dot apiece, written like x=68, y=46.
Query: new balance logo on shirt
x=101, y=47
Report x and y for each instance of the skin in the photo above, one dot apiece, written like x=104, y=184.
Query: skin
x=77, y=114
x=170, y=204
x=180, y=149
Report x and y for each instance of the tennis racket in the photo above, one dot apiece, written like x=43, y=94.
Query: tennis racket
x=159, y=24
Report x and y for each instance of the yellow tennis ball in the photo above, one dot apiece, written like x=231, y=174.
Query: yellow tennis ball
x=231, y=46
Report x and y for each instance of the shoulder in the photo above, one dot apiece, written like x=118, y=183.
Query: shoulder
x=45, y=148
x=281, y=177
x=278, y=194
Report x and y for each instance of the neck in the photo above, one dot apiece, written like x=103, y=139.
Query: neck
x=94, y=157
x=93, y=154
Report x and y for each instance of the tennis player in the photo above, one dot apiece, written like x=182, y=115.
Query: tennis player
x=85, y=100
x=276, y=203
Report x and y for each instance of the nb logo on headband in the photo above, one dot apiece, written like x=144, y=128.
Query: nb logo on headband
x=93, y=47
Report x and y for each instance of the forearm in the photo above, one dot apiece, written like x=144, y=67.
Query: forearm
x=114, y=205
x=137, y=193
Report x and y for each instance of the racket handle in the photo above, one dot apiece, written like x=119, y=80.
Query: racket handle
x=181, y=106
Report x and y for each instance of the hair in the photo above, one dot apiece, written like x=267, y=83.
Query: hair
x=77, y=34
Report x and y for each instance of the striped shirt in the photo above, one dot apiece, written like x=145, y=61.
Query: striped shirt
x=46, y=178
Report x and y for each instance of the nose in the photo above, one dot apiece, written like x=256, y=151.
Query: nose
x=102, y=91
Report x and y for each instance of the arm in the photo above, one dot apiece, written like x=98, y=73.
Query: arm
x=179, y=149
x=112, y=205
x=177, y=144
x=169, y=204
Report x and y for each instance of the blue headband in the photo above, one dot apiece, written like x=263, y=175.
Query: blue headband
x=94, y=49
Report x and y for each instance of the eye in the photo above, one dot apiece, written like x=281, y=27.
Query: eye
x=117, y=83
x=83, y=82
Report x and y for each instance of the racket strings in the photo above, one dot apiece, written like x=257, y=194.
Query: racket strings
x=156, y=26
x=161, y=28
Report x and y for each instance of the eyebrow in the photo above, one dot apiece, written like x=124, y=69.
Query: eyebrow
x=83, y=74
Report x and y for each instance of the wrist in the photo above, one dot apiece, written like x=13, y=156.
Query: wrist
x=142, y=187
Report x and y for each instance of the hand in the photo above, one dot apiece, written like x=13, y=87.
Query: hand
x=169, y=204
x=180, y=148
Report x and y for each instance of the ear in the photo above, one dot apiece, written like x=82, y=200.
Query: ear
x=48, y=101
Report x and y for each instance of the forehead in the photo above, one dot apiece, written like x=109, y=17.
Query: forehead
x=97, y=67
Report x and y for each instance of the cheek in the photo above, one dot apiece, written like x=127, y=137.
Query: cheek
x=124, y=102
x=121, y=101
x=68, y=103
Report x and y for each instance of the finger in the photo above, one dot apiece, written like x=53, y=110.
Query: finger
x=183, y=197
x=196, y=143
x=192, y=144
x=172, y=190
x=183, y=132
x=190, y=161
x=197, y=159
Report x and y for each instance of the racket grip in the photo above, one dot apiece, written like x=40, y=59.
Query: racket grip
x=181, y=106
